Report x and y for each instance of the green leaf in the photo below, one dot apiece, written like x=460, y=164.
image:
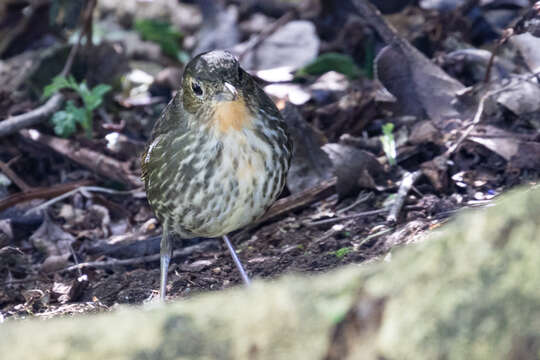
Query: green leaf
x=59, y=83
x=94, y=99
x=65, y=121
x=331, y=62
x=162, y=33
x=342, y=252
x=388, y=128
x=389, y=143
x=79, y=113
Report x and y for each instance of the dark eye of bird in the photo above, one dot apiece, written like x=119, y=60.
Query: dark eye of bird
x=196, y=88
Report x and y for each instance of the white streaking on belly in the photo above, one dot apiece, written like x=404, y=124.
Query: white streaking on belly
x=251, y=155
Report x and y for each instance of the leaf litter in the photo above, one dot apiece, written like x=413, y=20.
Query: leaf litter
x=394, y=131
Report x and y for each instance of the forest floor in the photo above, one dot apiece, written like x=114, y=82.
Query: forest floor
x=385, y=150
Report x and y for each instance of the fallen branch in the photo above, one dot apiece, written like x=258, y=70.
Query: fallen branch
x=480, y=110
x=188, y=250
x=101, y=164
x=288, y=16
x=15, y=123
x=40, y=193
x=406, y=184
x=10, y=33
x=348, y=217
x=14, y=177
x=373, y=17
x=436, y=169
x=80, y=189
x=299, y=200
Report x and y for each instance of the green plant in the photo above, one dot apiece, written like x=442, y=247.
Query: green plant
x=389, y=143
x=342, y=252
x=65, y=121
x=340, y=63
x=163, y=34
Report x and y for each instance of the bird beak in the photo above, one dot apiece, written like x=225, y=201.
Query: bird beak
x=229, y=93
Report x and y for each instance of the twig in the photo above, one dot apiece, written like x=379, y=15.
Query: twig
x=372, y=236
x=40, y=193
x=360, y=199
x=85, y=25
x=507, y=34
x=299, y=200
x=436, y=168
x=31, y=118
x=285, y=18
x=373, y=17
x=15, y=123
x=75, y=259
x=480, y=109
x=14, y=177
x=518, y=27
x=102, y=164
x=81, y=189
x=21, y=281
x=18, y=29
x=406, y=184
x=188, y=250
x=348, y=217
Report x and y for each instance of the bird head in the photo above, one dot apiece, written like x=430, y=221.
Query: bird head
x=212, y=78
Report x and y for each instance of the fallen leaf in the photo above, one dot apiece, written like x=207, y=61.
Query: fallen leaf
x=520, y=154
x=528, y=46
x=294, y=93
x=295, y=45
x=51, y=239
x=422, y=89
x=310, y=164
x=355, y=169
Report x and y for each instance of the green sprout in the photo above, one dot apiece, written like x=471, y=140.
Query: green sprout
x=389, y=143
x=342, y=252
x=65, y=121
x=163, y=34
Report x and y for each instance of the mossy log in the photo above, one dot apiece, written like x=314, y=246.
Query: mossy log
x=470, y=291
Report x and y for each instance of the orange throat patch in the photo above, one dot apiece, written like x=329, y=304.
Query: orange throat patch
x=232, y=115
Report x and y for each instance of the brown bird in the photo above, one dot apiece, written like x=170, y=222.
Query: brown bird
x=218, y=155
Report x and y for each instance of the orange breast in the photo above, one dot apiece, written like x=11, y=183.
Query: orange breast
x=232, y=115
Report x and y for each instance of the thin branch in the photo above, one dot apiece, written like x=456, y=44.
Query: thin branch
x=299, y=200
x=348, y=217
x=406, y=184
x=15, y=123
x=18, y=29
x=81, y=189
x=188, y=250
x=480, y=109
x=102, y=164
x=13, y=177
x=288, y=16
x=359, y=200
x=372, y=236
x=40, y=193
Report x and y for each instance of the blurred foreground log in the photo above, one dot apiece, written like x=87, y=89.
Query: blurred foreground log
x=469, y=291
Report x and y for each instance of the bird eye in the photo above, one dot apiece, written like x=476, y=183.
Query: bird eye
x=196, y=88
